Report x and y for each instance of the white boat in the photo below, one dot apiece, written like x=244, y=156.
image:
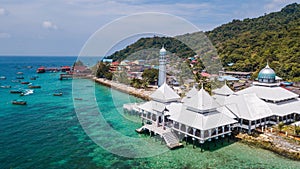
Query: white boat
x=27, y=92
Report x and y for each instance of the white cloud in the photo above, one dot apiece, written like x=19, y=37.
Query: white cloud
x=49, y=25
x=3, y=12
x=4, y=35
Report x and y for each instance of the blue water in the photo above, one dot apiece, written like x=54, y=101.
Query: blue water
x=46, y=133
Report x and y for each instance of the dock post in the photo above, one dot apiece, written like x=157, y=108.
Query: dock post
x=186, y=140
x=193, y=142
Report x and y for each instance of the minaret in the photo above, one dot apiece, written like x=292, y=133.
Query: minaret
x=162, y=67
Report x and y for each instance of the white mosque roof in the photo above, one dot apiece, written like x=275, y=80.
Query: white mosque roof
x=153, y=107
x=219, y=98
x=201, y=102
x=248, y=106
x=269, y=93
x=180, y=113
x=190, y=94
x=224, y=90
x=165, y=94
x=285, y=108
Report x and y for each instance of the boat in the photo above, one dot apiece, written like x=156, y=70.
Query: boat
x=57, y=94
x=16, y=81
x=16, y=91
x=24, y=82
x=2, y=77
x=20, y=77
x=19, y=102
x=34, y=86
x=26, y=92
x=19, y=73
x=5, y=87
x=77, y=98
x=33, y=78
x=41, y=70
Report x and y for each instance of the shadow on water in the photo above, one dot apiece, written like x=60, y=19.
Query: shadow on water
x=211, y=146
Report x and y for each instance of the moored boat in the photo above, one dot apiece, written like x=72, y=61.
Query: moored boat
x=26, y=92
x=58, y=94
x=16, y=81
x=19, y=102
x=20, y=77
x=19, y=73
x=24, y=82
x=41, y=70
x=2, y=77
x=78, y=98
x=16, y=91
x=6, y=87
x=34, y=86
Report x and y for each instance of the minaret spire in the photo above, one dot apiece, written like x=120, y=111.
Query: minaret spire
x=162, y=66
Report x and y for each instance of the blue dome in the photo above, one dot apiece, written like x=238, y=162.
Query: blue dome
x=267, y=75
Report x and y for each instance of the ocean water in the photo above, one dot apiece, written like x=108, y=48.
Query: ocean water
x=92, y=132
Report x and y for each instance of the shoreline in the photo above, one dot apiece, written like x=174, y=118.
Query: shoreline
x=273, y=143
x=140, y=93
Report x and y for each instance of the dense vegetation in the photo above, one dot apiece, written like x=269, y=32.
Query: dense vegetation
x=246, y=45
x=171, y=44
x=250, y=43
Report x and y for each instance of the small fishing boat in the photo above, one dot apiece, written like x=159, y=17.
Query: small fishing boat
x=26, y=92
x=5, y=87
x=2, y=77
x=41, y=70
x=33, y=78
x=77, y=98
x=20, y=77
x=58, y=94
x=19, y=102
x=19, y=73
x=24, y=82
x=34, y=86
x=16, y=91
x=16, y=81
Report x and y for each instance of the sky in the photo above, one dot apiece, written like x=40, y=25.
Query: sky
x=62, y=27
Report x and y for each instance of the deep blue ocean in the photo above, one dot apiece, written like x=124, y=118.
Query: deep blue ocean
x=91, y=131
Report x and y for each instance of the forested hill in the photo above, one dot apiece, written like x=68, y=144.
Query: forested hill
x=251, y=42
x=247, y=44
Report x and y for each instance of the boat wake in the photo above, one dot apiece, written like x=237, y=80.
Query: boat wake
x=27, y=92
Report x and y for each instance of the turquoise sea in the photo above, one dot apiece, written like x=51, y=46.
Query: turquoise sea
x=48, y=133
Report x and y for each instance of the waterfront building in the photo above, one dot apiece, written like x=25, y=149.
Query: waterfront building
x=203, y=117
x=200, y=117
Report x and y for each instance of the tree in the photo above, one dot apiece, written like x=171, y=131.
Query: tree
x=297, y=130
x=138, y=83
x=150, y=75
x=103, y=70
x=280, y=126
x=78, y=63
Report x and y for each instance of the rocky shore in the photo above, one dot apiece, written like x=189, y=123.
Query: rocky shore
x=140, y=93
x=274, y=143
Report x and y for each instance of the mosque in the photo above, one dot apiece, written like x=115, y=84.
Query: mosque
x=204, y=117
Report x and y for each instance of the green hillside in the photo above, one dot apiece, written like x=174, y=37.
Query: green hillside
x=248, y=44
